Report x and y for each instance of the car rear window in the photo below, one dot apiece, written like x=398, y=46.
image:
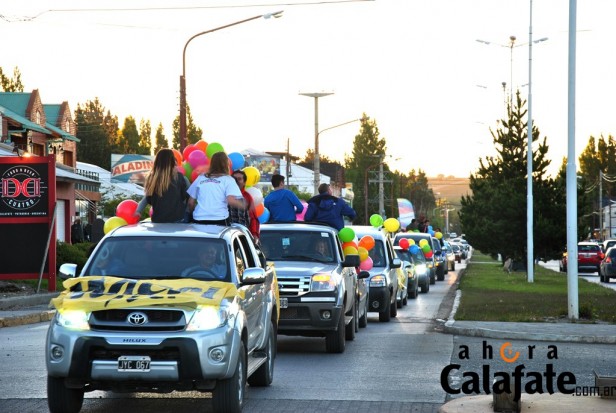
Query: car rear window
x=588, y=248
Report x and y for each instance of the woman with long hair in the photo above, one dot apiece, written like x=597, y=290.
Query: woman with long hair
x=165, y=189
x=212, y=193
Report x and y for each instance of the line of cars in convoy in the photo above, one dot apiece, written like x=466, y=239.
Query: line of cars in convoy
x=594, y=256
x=185, y=307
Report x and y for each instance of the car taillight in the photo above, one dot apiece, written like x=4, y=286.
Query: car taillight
x=608, y=260
x=601, y=255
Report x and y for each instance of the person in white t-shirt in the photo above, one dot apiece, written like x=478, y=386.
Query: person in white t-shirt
x=212, y=193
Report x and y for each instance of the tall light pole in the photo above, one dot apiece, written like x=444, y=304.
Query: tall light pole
x=183, y=76
x=316, y=161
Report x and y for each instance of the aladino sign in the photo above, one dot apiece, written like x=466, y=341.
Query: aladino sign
x=24, y=191
x=512, y=381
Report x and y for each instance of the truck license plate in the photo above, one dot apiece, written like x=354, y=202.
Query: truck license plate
x=284, y=303
x=134, y=363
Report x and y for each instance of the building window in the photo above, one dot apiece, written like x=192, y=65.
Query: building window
x=38, y=117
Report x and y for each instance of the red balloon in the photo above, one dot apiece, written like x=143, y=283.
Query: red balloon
x=404, y=243
x=188, y=150
x=126, y=210
x=178, y=156
x=428, y=254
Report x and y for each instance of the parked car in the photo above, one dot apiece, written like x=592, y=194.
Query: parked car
x=408, y=265
x=607, y=268
x=164, y=307
x=436, y=271
x=450, y=257
x=383, y=281
x=321, y=293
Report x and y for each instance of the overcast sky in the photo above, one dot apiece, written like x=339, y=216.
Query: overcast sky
x=413, y=66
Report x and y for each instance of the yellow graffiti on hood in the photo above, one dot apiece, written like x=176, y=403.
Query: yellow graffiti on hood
x=104, y=293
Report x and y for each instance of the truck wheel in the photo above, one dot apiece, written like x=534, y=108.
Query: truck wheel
x=61, y=399
x=413, y=294
x=363, y=320
x=349, y=330
x=440, y=274
x=335, y=340
x=432, y=277
x=385, y=315
x=264, y=375
x=228, y=395
x=425, y=288
x=394, y=308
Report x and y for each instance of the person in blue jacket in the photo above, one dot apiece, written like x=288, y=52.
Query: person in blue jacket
x=328, y=209
x=282, y=203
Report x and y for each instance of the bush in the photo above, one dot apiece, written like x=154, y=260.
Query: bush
x=73, y=253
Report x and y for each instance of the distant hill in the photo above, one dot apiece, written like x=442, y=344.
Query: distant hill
x=449, y=187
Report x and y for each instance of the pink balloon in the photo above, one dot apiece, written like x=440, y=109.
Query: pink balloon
x=366, y=265
x=197, y=158
x=300, y=216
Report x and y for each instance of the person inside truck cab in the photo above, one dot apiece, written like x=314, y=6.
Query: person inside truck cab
x=322, y=250
x=209, y=266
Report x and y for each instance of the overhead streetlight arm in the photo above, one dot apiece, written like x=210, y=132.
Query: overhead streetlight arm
x=183, y=105
x=265, y=16
x=342, y=124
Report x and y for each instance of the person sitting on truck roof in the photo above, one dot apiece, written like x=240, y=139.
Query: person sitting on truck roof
x=328, y=209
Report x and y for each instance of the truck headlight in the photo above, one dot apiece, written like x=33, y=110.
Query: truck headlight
x=208, y=317
x=73, y=319
x=421, y=269
x=378, y=281
x=322, y=282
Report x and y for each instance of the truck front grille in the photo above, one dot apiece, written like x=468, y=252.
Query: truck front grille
x=294, y=286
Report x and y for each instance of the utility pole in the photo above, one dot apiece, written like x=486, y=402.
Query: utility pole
x=600, y=206
x=381, y=191
x=287, y=157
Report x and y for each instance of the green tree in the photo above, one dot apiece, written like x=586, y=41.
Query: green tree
x=145, y=138
x=11, y=84
x=97, y=132
x=494, y=215
x=161, y=140
x=368, y=151
x=130, y=136
x=193, y=133
x=598, y=159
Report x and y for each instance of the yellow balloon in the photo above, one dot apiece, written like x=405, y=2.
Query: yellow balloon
x=252, y=176
x=350, y=250
x=438, y=235
x=391, y=225
x=363, y=253
x=423, y=242
x=411, y=241
x=113, y=223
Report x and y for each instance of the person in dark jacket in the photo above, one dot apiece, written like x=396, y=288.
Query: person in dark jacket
x=328, y=209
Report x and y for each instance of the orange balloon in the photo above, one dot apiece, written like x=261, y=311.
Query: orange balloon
x=178, y=157
x=259, y=209
x=349, y=244
x=201, y=145
x=367, y=242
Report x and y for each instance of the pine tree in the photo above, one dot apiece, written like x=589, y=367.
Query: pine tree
x=161, y=140
x=145, y=138
x=494, y=216
x=97, y=133
x=368, y=151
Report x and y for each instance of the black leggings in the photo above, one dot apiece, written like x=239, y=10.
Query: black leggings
x=224, y=222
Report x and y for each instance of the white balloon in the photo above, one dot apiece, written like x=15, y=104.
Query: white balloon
x=257, y=195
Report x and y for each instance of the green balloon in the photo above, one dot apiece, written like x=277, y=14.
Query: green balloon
x=212, y=148
x=376, y=220
x=346, y=234
x=426, y=248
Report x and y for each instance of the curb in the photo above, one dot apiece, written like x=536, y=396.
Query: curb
x=27, y=300
x=19, y=320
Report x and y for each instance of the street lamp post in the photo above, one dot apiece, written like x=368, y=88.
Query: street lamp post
x=183, y=76
x=316, y=161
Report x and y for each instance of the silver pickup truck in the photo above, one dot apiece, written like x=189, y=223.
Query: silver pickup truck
x=321, y=293
x=164, y=307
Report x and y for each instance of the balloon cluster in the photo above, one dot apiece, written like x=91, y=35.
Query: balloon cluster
x=351, y=246
x=409, y=244
x=390, y=224
x=193, y=161
x=125, y=214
